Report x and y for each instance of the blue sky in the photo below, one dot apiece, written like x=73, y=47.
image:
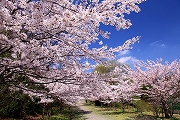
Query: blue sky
x=158, y=24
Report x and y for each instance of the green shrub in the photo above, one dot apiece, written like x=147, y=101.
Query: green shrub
x=141, y=105
x=15, y=104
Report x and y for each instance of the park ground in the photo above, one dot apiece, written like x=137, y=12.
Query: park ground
x=87, y=111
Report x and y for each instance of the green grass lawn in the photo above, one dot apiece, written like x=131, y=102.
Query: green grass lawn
x=129, y=114
x=113, y=114
x=76, y=114
x=110, y=113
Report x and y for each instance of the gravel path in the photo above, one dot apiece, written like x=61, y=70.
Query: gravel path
x=90, y=115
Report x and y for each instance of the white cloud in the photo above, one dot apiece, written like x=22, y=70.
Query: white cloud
x=128, y=60
x=157, y=43
x=163, y=45
x=154, y=43
x=125, y=52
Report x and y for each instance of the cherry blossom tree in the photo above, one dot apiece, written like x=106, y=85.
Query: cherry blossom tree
x=125, y=90
x=46, y=41
x=160, y=82
x=114, y=83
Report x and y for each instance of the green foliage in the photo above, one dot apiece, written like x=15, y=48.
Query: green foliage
x=141, y=105
x=29, y=84
x=145, y=87
x=176, y=106
x=16, y=104
x=103, y=69
x=6, y=55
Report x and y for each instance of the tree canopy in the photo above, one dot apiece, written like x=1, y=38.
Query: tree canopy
x=47, y=41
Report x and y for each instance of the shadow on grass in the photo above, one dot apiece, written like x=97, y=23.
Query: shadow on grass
x=118, y=112
x=84, y=112
x=145, y=117
x=76, y=114
x=127, y=115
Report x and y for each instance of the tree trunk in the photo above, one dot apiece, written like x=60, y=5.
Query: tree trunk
x=167, y=112
x=123, y=107
x=162, y=113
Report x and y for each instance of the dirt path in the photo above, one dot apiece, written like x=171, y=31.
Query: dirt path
x=90, y=115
